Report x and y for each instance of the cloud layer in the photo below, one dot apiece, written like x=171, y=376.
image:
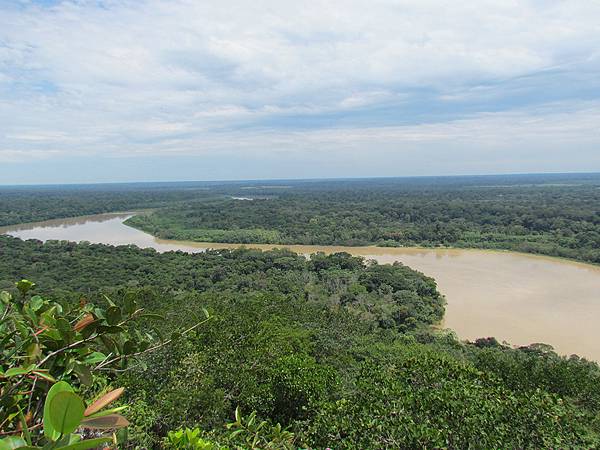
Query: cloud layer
x=505, y=82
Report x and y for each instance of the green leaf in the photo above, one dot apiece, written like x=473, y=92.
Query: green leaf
x=94, y=358
x=109, y=343
x=129, y=347
x=64, y=327
x=83, y=373
x=108, y=300
x=47, y=317
x=107, y=412
x=235, y=433
x=129, y=304
x=107, y=422
x=87, y=444
x=33, y=352
x=158, y=332
x=6, y=338
x=36, y=303
x=151, y=316
x=12, y=442
x=44, y=375
x=113, y=315
x=49, y=430
x=73, y=438
x=24, y=286
x=15, y=371
x=66, y=412
x=5, y=297
x=26, y=434
x=114, y=329
x=90, y=329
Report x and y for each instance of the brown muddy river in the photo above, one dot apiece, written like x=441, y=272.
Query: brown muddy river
x=515, y=297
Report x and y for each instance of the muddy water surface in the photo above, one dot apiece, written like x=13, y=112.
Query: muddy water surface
x=515, y=297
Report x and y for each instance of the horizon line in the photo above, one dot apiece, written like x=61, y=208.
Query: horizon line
x=253, y=180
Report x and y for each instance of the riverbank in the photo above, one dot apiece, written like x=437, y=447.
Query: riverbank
x=307, y=249
x=373, y=247
x=516, y=297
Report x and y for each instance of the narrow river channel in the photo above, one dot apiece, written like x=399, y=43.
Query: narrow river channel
x=515, y=297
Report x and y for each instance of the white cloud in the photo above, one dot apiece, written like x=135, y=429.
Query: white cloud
x=130, y=77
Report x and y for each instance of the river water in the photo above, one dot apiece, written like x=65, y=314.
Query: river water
x=515, y=297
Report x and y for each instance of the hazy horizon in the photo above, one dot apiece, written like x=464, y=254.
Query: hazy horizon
x=257, y=180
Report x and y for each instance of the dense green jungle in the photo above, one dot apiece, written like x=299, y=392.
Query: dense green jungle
x=236, y=349
x=556, y=215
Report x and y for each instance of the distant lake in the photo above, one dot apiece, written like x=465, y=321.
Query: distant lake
x=515, y=297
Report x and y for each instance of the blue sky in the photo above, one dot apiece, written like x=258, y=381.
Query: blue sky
x=134, y=90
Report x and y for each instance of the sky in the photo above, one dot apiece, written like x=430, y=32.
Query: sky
x=158, y=90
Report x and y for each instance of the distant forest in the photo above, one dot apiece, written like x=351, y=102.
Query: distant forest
x=557, y=215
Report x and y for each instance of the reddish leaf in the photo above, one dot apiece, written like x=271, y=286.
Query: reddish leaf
x=87, y=319
x=105, y=422
x=106, y=399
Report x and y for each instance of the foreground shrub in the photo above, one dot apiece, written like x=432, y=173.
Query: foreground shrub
x=423, y=399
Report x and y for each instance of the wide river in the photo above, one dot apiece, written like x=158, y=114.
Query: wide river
x=515, y=297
